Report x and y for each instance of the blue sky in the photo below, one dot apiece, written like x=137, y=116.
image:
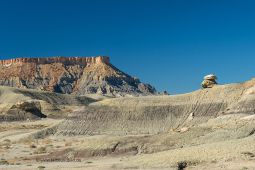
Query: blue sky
x=171, y=44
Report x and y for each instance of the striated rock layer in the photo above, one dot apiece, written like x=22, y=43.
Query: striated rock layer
x=78, y=75
x=160, y=114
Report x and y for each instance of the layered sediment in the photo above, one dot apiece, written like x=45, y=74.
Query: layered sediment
x=78, y=75
x=160, y=114
x=50, y=60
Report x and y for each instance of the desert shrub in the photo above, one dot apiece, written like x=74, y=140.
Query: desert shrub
x=7, y=140
x=181, y=165
x=40, y=150
x=41, y=167
x=7, y=143
x=33, y=146
x=4, y=162
x=46, y=141
x=28, y=140
x=68, y=144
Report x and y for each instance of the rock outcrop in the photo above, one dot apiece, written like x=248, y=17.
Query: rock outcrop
x=76, y=75
x=25, y=110
x=21, y=104
x=209, y=81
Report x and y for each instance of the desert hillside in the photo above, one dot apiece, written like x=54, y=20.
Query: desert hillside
x=159, y=114
x=209, y=128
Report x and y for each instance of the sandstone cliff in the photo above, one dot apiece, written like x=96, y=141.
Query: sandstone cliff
x=77, y=75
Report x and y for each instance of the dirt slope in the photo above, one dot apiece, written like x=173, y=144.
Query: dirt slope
x=206, y=129
x=53, y=105
x=152, y=115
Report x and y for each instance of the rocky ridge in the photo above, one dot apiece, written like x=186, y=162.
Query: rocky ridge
x=76, y=75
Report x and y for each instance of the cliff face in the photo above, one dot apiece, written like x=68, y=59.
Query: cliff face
x=65, y=60
x=78, y=75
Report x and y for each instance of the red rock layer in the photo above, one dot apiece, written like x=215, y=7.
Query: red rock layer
x=65, y=60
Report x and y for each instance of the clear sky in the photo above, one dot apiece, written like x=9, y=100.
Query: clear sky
x=170, y=44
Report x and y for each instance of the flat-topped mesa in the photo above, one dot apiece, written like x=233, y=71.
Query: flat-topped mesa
x=65, y=60
x=71, y=75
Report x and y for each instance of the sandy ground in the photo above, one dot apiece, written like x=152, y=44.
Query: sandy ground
x=220, y=143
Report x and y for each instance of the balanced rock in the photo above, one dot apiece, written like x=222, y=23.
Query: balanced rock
x=209, y=81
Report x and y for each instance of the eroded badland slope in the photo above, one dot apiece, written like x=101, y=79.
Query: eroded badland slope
x=206, y=129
